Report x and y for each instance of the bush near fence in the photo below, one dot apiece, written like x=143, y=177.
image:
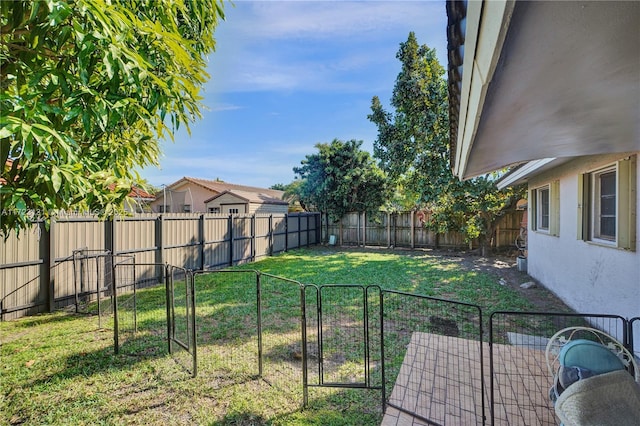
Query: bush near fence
x=36, y=266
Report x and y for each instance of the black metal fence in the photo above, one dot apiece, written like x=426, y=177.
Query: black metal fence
x=519, y=377
x=432, y=359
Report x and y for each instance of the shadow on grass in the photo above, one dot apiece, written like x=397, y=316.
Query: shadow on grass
x=60, y=316
x=87, y=363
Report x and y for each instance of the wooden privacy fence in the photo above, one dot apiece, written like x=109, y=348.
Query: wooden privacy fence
x=36, y=268
x=406, y=229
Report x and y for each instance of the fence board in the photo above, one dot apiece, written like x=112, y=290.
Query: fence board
x=36, y=270
x=407, y=229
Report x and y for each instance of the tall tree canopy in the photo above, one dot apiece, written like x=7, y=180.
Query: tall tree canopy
x=341, y=178
x=413, y=148
x=88, y=87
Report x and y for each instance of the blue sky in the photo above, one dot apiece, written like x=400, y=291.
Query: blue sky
x=287, y=75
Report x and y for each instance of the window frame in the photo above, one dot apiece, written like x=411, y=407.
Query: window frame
x=552, y=213
x=595, y=206
x=589, y=200
x=541, y=214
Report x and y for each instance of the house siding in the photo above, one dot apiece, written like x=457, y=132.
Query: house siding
x=228, y=201
x=591, y=278
x=268, y=208
x=198, y=193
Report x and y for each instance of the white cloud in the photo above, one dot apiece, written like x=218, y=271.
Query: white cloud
x=285, y=45
x=326, y=19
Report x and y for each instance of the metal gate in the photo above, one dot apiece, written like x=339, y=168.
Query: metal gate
x=432, y=359
x=92, y=282
x=423, y=354
x=181, y=315
x=342, y=339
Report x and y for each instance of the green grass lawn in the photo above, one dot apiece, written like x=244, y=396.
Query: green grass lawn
x=60, y=368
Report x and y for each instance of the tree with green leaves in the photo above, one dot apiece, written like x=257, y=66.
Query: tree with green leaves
x=413, y=148
x=341, y=178
x=88, y=88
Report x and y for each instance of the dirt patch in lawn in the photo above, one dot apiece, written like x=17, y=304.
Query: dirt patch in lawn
x=504, y=268
x=502, y=265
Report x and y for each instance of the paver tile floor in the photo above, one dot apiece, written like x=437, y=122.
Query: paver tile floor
x=439, y=380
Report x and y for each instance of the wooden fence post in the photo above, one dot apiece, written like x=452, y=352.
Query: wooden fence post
x=364, y=229
x=413, y=229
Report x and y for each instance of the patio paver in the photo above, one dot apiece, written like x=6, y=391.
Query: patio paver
x=439, y=380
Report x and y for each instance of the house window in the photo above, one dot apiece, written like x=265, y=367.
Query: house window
x=186, y=208
x=545, y=208
x=161, y=208
x=233, y=211
x=214, y=209
x=604, y=204
x=607, y=205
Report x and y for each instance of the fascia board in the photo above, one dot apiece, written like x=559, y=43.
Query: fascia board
x=523, y=172
x=487, y=26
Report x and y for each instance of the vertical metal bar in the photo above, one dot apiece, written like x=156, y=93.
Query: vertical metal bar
x=303, y=321
x=482, y=380
x=259, y=315
x=169, y=301
x=271, y=235
x=320, y=339
x=135, y=297
x=382, y=362
x=192, y=287
x=98, y=289
x=252, y=226
x=201, y=232
x=83, y=271
x=491, y=371
x=75, y=280
x=365, y=313
x=286, y=232
x=114, y=298
x=230, y=227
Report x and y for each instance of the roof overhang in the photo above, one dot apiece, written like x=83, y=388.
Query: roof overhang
x=546, y=79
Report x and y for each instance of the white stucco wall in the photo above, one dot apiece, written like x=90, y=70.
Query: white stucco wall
x=590, y=278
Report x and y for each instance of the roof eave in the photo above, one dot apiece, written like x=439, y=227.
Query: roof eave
x=487, y=24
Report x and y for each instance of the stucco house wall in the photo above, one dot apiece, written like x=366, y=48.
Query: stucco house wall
x=591, y=278
x=194, y=196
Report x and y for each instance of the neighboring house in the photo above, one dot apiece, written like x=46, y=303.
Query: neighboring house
x=139, y=201
x=552, y=90
x=235, y=201
x=190, y=194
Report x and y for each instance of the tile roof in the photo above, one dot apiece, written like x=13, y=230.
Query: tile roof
x=136, y=192
x=220, y=186
x=250, y=196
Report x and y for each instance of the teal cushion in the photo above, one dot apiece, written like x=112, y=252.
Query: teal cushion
x=589, y=355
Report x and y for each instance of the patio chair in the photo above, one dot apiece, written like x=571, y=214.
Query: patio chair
x=595, y=378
